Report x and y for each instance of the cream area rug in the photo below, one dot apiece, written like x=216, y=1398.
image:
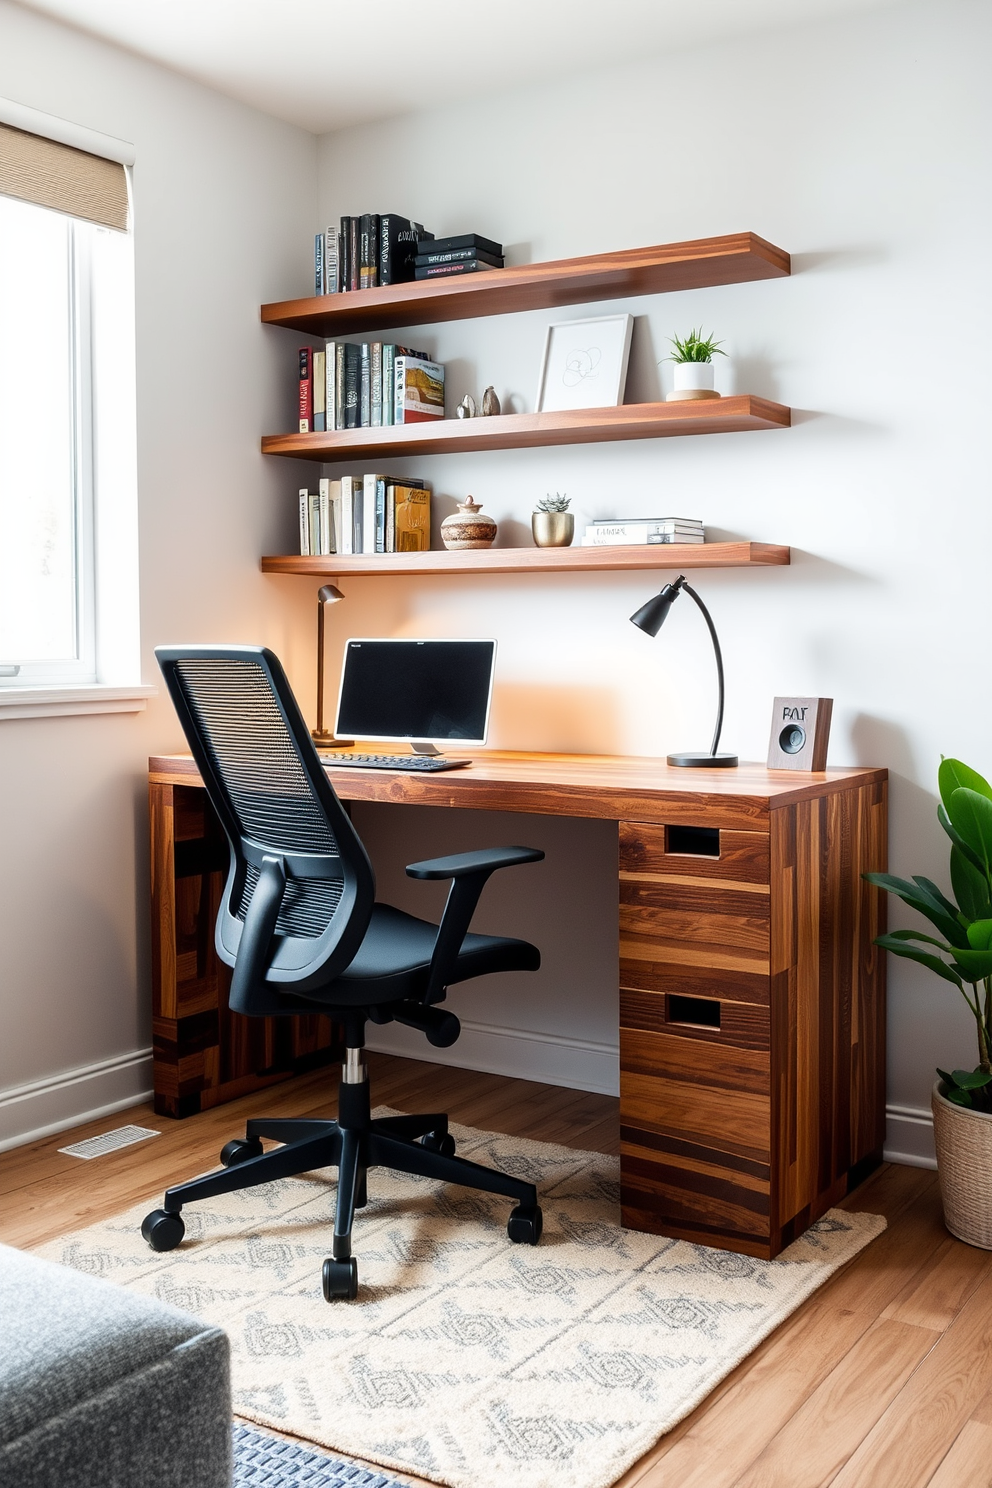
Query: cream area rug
x=466, y=1359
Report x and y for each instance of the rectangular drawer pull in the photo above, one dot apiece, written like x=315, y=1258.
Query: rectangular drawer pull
x=703, y=1012
x=697, y=842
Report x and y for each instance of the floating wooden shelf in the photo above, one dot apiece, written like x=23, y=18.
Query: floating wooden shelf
x=735, y=259
x=536, y=560
x=534, y=430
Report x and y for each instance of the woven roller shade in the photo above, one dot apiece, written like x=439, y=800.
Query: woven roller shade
x=72, y=181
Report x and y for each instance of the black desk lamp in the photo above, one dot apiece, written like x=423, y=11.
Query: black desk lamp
x=650, y=618
x=322, y=737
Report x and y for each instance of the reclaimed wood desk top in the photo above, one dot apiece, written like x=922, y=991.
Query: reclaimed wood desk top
x=610, y=787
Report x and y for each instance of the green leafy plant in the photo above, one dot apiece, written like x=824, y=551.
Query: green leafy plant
x=555, y=503
x=962, y=949
x=694, y=348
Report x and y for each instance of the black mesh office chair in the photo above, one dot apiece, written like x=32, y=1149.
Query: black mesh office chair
x=300, y=926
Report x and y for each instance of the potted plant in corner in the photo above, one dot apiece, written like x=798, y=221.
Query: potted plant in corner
x=693, y=359
x=960, y=953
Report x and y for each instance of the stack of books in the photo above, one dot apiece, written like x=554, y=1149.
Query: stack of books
x=460, y=255
x=627, y=532
x=367, y=385
x=366, y=514
x=364, y=252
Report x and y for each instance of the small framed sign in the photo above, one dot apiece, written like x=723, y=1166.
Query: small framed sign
x=585, y=364
x=800, y=733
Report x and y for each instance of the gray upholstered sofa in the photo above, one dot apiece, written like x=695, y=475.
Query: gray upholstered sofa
x=106, y=1388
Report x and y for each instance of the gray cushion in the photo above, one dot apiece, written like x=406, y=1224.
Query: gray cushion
x=101, y=1387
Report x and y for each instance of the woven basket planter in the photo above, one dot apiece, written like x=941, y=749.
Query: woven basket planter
x=964, y=1167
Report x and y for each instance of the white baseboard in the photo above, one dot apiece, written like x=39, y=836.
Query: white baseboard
x=909, y=1136
x=28, y=1112
x=521, y=1055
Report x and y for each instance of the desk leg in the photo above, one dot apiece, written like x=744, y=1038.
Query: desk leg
x=203, y=1053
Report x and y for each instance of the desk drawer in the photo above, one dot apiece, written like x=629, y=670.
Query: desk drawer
x=695, y=1139
x=693, y=853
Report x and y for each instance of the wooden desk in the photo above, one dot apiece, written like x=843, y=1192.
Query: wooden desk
x=752, y=1006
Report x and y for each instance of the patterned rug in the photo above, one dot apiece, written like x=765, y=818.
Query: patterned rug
x=468, y=1360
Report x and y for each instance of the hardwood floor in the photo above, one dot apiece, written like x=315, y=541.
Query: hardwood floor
x=883, y=1379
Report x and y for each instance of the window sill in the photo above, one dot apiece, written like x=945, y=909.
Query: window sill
x=60, y=702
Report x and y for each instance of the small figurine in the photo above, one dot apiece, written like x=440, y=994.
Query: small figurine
x=490, y=402
x=466, y=408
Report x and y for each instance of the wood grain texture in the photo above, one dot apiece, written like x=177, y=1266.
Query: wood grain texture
x=506, y=431
x=202, y=1053
x=608, y=787
x=736, y=258
x=440, y=562
x=827, y=994
x=742, y=857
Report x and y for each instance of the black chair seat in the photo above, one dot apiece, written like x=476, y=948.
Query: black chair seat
x=394, y=959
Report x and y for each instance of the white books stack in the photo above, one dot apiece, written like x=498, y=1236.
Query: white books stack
x=631, y=531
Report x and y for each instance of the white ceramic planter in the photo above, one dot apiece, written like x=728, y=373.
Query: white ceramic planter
x=964, y=1166
x=692, y=380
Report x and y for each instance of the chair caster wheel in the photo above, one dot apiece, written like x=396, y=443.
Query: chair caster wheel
x=525, y=1225
x=340, y=1280
x=162, y=1230
x=442, y=1142
x=241, y=1149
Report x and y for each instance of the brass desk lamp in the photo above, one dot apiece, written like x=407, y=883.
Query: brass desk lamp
x=322, y=737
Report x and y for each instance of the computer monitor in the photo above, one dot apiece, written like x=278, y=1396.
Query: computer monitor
x=416, y=692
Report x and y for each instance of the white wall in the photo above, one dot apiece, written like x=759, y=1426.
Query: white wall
x=862, y=146
x=224, y=201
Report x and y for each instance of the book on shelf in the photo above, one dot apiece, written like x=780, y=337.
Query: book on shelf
x=367, y=251
x=659, y=523
x=398, y=242
x=365, y=400
x=354, y=257
x=418, y=391
x=318, y=264
x=467, y=240
x=370, y=514
x=351, y=385
x=411, y=523
x=448, y=270
x=319, y=391
x=368, y=248
x=306, y=390
x=431, y=255
x=639, y=535
x=332, y=261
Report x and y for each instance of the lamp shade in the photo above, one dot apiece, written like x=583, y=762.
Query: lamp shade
x=651, y=616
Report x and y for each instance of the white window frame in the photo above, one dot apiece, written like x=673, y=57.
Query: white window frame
x=105, y=677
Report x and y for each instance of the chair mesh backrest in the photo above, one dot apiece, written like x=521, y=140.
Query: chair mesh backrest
x=273, y=803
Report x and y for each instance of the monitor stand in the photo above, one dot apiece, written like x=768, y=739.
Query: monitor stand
x=420, y=748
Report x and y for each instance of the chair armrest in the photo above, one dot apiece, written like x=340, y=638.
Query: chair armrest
x=469, y=873
x=461, y=865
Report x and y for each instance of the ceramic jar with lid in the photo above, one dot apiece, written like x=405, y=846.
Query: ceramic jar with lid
x=468, y=527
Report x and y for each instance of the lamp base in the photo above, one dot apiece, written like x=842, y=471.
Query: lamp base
x=704, y=761
x=324, y=740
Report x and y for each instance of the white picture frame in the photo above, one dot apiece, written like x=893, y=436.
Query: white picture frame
x=585, y=363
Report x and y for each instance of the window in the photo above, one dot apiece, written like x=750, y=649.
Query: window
x=68, y=591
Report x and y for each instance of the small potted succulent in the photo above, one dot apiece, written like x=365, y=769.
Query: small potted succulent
x=959, y=953
x=693, y=360
x=552, y=524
